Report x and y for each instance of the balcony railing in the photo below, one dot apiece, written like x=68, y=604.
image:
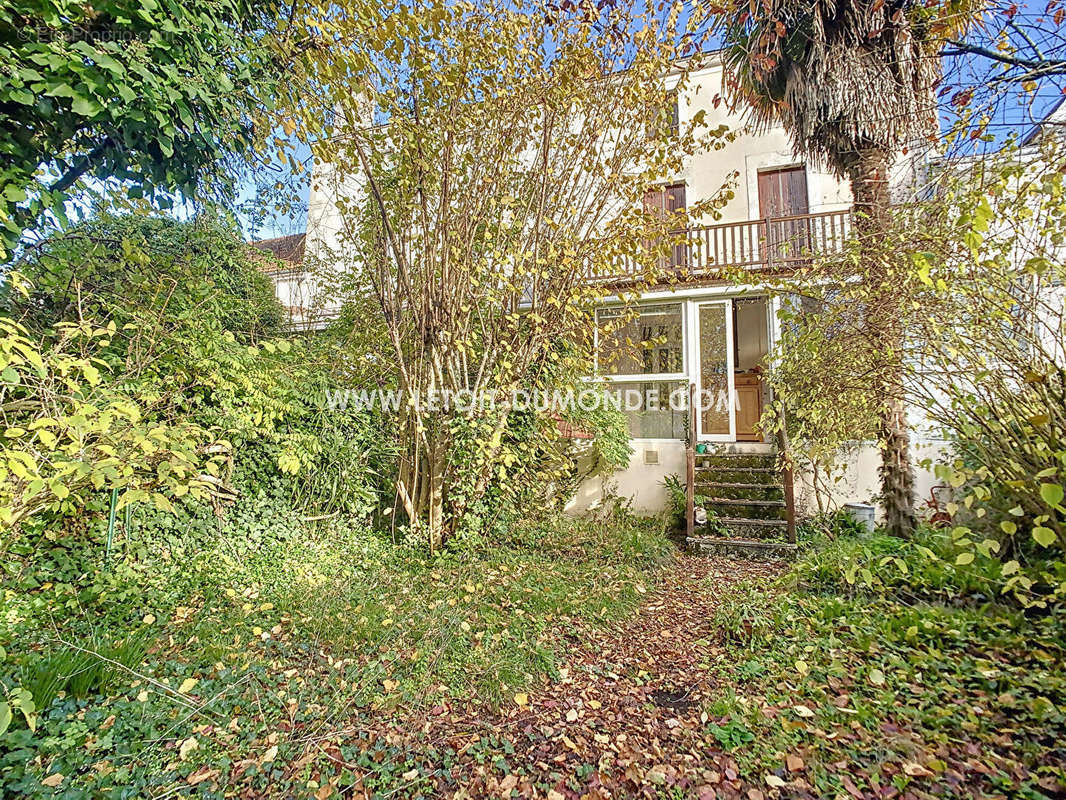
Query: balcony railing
x=766, y=244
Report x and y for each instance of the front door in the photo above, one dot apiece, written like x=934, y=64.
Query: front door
x=783, y=204
x=714, y=355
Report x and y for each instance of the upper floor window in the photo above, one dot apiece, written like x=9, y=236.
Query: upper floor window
x=663, y=200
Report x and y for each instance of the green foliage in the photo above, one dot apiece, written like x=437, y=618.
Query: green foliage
x=184, y=387
x=732, y=735
x=69, y=431
x=990, y=313
x=818, y=528
x=678, y=500
x=149, y=270
x=160, y=97
x=91, y=668
x=922, y=651
x=291, y=621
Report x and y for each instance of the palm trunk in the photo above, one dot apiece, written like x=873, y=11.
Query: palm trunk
x=869, y=185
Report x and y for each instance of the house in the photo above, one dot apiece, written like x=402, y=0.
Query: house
x=706, y=333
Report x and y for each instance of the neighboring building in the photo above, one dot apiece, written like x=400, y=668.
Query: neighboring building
x=710, y=333
x=294, y=282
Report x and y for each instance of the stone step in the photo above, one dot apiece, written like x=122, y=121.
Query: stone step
x=760, y=477
x=733, y=468
x=737, y=460
x=741, y=491
x=749, y=512
x=738, y=485
x=761, y=523
x=744, y=501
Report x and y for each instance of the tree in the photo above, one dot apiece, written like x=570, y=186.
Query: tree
x=853, y=84
x=515, y=147
x=159, y=96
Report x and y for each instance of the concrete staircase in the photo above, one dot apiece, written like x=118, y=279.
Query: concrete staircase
x=745, y=497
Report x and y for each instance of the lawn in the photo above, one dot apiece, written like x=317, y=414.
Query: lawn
x=919, y=679
x=170, y=667
x=575, y=657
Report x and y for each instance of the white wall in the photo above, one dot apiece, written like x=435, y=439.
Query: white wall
x=858, y=482
x=705, y=173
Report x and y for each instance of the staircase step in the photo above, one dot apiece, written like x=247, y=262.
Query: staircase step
x=731, y=485
x=758, y=523
x=738, y=456
x=742, y=501
x=737, y=459
x=741, y=548
x=735, y=468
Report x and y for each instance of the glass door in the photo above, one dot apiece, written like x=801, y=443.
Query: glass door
x=715, y=409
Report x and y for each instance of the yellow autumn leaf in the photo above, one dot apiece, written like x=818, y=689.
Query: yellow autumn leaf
x=187, y=685
x=522, y=699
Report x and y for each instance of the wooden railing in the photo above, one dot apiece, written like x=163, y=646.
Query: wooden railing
x=770, y=244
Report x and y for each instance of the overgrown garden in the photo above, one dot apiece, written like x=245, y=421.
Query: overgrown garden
x=218, y=581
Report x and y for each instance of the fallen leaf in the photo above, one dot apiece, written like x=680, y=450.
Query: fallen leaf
x=187, y=747
x=187, y=685
x=803, y=711
x=53, y=780
x=270, y=754
x=877, y=677
x=774, y=781
x=794, y=763
x=202, y=775
x=522, y=699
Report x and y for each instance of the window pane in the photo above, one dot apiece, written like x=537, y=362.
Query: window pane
x=714, y=377
x=647, y=343
x=655, y=409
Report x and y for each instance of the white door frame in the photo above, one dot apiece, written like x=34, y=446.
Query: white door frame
x=697, y=370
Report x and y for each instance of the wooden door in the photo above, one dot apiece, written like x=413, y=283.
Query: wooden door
x=783, y=197
x=749, y=406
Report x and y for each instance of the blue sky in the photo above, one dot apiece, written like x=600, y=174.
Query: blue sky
x=1013, y=113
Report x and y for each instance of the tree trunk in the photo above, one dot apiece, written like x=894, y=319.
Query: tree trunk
x=869, y=185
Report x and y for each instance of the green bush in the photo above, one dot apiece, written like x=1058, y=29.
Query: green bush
x=133, y=268
x=823, y=662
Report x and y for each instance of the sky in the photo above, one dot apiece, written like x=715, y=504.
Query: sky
x=1026, y=24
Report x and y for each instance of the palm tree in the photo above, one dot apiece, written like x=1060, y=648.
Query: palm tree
x=852, y=82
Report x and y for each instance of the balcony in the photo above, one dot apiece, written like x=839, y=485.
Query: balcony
x=776, y=244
